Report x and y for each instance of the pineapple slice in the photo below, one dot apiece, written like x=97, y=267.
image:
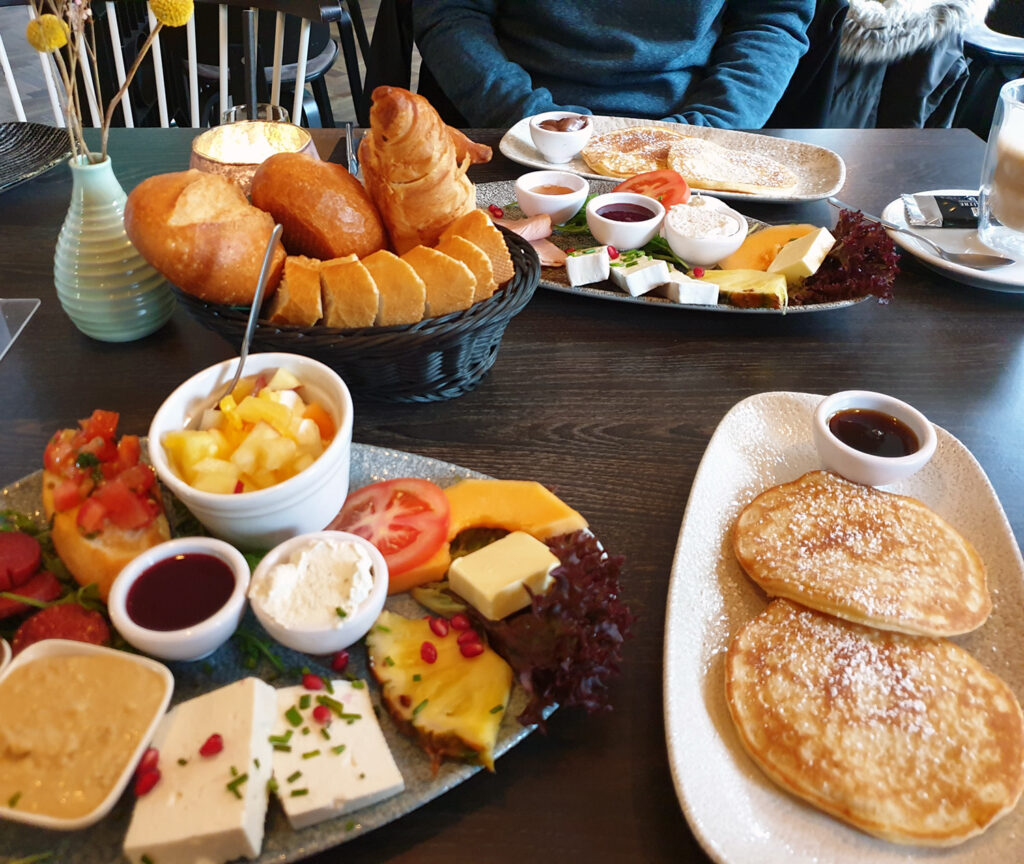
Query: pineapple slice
x=750, y=289
x=453, y=706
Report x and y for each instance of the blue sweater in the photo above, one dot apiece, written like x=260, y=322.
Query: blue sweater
x=715, y=63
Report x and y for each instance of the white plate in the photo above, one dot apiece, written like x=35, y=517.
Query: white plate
x=820, y=171
x=1009, y=279
x=734, y=810
x=502, y=193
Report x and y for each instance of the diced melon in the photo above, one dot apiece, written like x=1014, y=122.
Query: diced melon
x=433, y=569
x=515, y=505
x=759, y=248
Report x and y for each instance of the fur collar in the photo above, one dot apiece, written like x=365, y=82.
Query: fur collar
x=886, y=30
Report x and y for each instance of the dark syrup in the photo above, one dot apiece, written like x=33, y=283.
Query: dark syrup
x=874, y=432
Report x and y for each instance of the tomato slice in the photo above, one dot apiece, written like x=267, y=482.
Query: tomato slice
x=665, y=185
x=406, y=519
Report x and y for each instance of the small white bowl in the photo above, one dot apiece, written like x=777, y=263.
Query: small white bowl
x=560, y=207
x=559, y=147
x=624, y=235
x=698, y=242
x=200, y=639
x=306, y=502
x=63, y=648
x=345, y=631
x=867, y=468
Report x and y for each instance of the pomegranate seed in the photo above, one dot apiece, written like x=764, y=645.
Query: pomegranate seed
x=459, y=621
x=569, y=251
x=212, y=746
x=439, y=626
x=239, y=487
x=148, y=761
x=340, y=661
x=312, y=682
x=468, y=636
x=428, y=652
x=471, y=648
x=613, y=253
x=145, y=782
x=322, y=714
x=698, y=272
x=496, y=211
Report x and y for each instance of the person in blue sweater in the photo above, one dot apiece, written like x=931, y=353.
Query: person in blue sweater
x=721, y=63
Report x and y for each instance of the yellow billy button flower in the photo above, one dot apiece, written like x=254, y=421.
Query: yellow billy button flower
x=47, y=33
x=172, y=13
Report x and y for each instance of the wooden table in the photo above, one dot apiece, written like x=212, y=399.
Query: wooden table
x=612, y=405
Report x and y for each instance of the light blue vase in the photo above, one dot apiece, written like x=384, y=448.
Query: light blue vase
x=106, y=287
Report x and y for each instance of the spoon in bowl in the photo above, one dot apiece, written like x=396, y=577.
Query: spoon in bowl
x=974, y=260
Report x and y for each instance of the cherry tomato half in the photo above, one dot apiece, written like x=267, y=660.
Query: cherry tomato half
x=665, y=185
x=406, y=519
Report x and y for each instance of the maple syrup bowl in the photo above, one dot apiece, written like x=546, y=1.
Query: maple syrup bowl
x=180, y=600
x=871, y=438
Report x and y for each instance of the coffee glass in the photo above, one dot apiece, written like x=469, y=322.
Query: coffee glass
x=1001, y=205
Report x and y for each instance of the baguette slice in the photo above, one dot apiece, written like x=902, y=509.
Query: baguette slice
x=476, y=227
x=476, y=260
x=350, y=295
x=449, y=283
x=403, y=296
x=297, y=300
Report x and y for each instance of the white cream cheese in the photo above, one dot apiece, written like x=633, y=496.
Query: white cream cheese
x=702, y=221
x=307, y=590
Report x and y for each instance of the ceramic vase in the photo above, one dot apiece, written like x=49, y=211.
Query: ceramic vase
x=106, y=287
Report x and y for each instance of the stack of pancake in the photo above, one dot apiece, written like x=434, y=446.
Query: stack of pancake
x=845, y=690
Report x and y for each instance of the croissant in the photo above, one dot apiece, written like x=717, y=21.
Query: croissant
x=415, y=168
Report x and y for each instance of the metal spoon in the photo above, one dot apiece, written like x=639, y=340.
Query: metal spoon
x=974, y=260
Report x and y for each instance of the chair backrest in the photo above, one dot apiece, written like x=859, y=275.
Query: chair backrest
x=117, y=24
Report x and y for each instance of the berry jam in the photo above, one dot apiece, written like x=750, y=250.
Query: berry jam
x=624, y=212
x=180, y=592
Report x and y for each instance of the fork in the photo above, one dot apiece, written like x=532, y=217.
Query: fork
x=350, y=151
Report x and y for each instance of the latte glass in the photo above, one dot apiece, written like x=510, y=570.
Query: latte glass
x=1001, y=217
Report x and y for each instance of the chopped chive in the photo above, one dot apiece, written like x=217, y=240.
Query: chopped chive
x=293, y=716
x=305, y=670
x=420, y=707
x=234, y=771
x=295, y=775
x=304, y=701
x=497, y=709
x=324, y=733
x=341, y=612
x=12, y=802
x=383, y=629
x=145, y=859
x=281, y=739
x=333, y=704
x=388, y=661
x=305, y=730
x=338, y=750
x=256, y=762
x=350, y=826
x=295, y=793
x=183, y=761
x=328, y=686
x=358, y=685
x=309, y=754
x=234, y=784
x=282, y=748
x=417, y=677
x=271, y=784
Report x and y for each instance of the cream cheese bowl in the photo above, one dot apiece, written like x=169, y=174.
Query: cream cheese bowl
x=704, y=231
x=342, y=632
x=868, y=468
x=52, y=648
x=261, y=519
x=200, y=639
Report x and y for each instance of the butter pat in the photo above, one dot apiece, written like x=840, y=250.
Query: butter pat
x=680, y=288
x=338, y=767
x=492, y=579
x=802, y=257
x=585, y=266
x=200, y=812
x=637, y=273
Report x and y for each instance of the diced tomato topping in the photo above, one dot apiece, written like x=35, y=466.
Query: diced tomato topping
x=139, y=478
x=66, y=495
x=124, y=508
x=102, y=424
x=91, y=515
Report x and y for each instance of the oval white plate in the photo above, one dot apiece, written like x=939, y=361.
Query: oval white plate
x=820, y=171
x=734, y=810
x=1009, y=279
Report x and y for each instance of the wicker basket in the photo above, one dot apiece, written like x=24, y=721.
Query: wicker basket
x=434, y=359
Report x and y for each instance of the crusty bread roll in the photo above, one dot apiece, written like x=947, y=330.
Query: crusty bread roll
x=324, y=210
x=101, y=557
x=203, y=235
x=412, y=168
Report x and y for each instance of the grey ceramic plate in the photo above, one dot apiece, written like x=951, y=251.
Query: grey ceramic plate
x=29, y=149
x=101, y=844
x=503, y=194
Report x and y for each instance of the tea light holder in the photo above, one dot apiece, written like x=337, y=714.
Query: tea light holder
x=236, y=150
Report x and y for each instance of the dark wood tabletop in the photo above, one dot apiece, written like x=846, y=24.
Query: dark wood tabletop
x=610, y=404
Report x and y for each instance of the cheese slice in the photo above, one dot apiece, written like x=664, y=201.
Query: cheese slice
x=638, y=276
x=208, y=809
x=326, y=770
x=680, y=288
x=802, y=257
x=586, y=266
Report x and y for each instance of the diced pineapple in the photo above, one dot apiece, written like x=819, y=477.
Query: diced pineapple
x=289, y=398
x=253, y=409
x=215, y=475
x=750, y=289
x=283, y=380
x=188, y=447
x=307, y=436
x=453, y=706
x=247, y=454
x=276, y=453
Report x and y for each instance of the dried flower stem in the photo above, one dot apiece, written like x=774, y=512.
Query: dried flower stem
x=124, y=87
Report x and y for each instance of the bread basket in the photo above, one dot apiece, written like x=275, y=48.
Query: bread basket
x=432, y=360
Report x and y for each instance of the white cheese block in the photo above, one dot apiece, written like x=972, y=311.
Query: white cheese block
x=680, y=288
x=585, y=266
x=641, y=277
x=192, y=816
x=323, y=777
x=492, y=579
x=802, y=257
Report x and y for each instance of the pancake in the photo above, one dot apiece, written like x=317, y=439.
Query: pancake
x=864, y=555
x=907, y=738
x=629, y=151
x=706, y=165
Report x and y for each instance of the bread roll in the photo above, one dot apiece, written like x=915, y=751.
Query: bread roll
x=413, y=172
x=324, y=210
x=202, y=234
